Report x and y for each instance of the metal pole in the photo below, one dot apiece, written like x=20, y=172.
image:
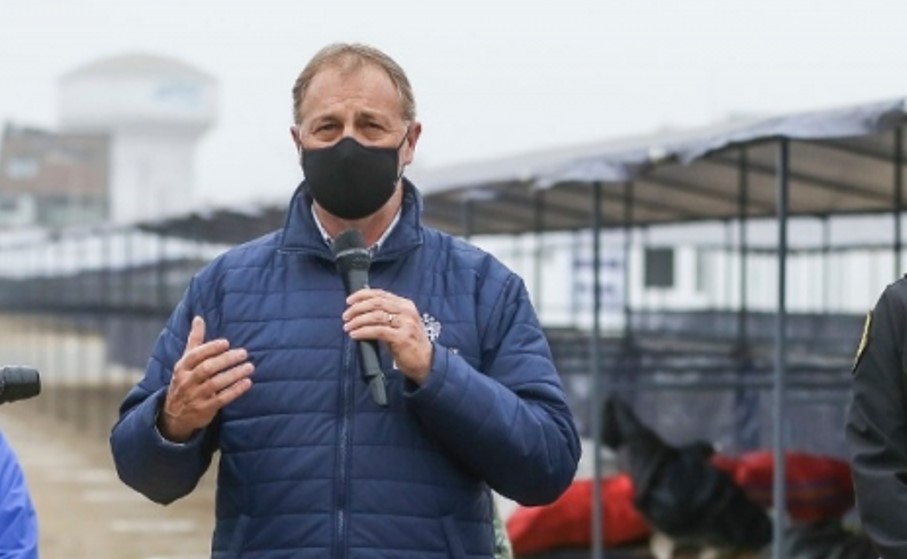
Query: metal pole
x=467, y=218
x=742, y=220
x=34, y=291
x=160, y=276
x=104, y=304
x=746, y=401
x=826, y=266
x=576, y=302
x=727, y=288
x=538, y=220
x=597, y=533
x=82, y=323
x=898, y=196
x=129, y=316
x=628, y=224
x=778, y=483
x=61, y=359
x=645, y=303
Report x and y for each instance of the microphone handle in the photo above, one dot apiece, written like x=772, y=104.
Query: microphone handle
x=371, y=371
x=354, y=280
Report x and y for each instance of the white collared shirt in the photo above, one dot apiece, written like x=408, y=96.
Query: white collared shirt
x=372, y=250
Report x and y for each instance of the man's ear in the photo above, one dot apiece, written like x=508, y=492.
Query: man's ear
x=294, y=133
x=409, y=147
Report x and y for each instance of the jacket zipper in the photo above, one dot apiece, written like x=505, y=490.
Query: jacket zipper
x=343, y=442
x=343, y=449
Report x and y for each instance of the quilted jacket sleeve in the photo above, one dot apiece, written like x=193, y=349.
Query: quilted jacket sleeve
x=161, y=470
x=877, y=424
x=18, y=524
x=509, y=423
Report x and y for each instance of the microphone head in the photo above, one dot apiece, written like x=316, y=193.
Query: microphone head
x=349, y=239
x=350, y=252
x=18, y=383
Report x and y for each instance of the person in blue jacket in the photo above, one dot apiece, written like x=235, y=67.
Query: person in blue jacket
x=259, y=362
x=18, y=523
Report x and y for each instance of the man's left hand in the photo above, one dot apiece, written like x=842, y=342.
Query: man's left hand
x=375, y=314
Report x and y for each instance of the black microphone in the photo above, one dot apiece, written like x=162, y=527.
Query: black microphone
x=18, y=383
x=353, y=262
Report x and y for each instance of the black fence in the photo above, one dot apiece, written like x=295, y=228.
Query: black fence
x=87, y=311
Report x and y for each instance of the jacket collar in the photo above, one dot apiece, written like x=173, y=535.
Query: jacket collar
x=301, y=234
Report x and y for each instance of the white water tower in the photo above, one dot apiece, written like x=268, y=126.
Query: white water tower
x=155, y=110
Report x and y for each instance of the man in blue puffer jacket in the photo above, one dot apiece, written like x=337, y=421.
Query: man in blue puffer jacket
x=259, y=361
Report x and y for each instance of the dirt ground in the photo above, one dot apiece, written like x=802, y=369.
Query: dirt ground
x=84, y=510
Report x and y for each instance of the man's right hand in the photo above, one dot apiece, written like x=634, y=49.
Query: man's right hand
x=207, y=377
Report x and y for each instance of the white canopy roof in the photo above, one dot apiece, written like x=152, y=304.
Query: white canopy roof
x=842, y=161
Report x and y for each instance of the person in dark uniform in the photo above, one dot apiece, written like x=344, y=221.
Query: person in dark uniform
x=877, y=423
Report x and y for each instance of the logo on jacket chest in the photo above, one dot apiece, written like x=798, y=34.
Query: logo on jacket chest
x=432, y=327
x=432, y=331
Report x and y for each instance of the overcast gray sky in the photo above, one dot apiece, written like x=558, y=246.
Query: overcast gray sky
x=491, y=77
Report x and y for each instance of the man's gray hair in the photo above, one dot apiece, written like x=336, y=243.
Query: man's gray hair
x=349, y=57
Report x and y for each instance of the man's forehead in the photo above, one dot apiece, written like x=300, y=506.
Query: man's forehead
x=366, y=81
x=349, y=64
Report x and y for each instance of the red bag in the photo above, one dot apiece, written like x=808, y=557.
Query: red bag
x=818, y=487
x=567, y=522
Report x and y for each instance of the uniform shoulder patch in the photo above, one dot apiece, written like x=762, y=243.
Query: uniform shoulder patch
x=864, y=341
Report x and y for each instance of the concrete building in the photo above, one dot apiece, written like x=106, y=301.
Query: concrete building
x=154, y=110
x=52, y=179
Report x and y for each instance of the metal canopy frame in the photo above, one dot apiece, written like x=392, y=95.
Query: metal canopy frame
x=841, y=161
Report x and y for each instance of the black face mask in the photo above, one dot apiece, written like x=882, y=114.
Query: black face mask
x=350, y=180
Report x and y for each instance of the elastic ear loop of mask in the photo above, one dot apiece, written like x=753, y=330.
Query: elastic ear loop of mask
x=403, y=141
